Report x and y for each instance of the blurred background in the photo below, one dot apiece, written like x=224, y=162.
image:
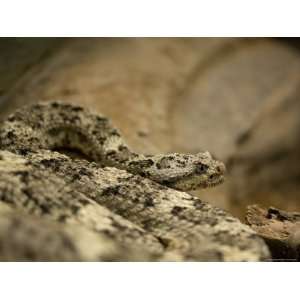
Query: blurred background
x=238, y=98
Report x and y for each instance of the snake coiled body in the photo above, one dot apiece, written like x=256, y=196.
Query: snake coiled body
x=56, y=125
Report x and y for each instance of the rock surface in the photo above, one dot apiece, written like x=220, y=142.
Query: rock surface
x=280, y=229
x=28, y=238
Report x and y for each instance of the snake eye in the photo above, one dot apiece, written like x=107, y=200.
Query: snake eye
x=201, y=168
x=164, y=163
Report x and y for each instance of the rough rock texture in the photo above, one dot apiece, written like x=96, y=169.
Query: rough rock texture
x=280, y=229
x=42, y=194
x=163, y=223
x=27, y=238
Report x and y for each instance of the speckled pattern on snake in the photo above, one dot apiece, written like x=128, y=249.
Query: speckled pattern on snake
x=56, y=125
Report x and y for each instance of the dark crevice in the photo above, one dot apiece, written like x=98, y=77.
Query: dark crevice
x=73, y=153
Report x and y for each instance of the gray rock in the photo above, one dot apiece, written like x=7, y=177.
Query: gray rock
x=28, y=238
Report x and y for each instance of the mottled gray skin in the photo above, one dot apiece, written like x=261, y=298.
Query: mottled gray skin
x=57, y=125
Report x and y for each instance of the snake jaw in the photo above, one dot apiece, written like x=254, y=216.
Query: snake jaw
x=190, y=183
x=196, y=174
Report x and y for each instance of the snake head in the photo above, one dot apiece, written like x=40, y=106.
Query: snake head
x=185, y=172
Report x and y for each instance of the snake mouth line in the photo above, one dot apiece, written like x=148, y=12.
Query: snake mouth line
x=206, y=185
x=186, y=186
x=215, y=183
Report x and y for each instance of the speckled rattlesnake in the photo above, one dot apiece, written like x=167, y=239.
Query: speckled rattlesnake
x=60, y=125
x=115, y=192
